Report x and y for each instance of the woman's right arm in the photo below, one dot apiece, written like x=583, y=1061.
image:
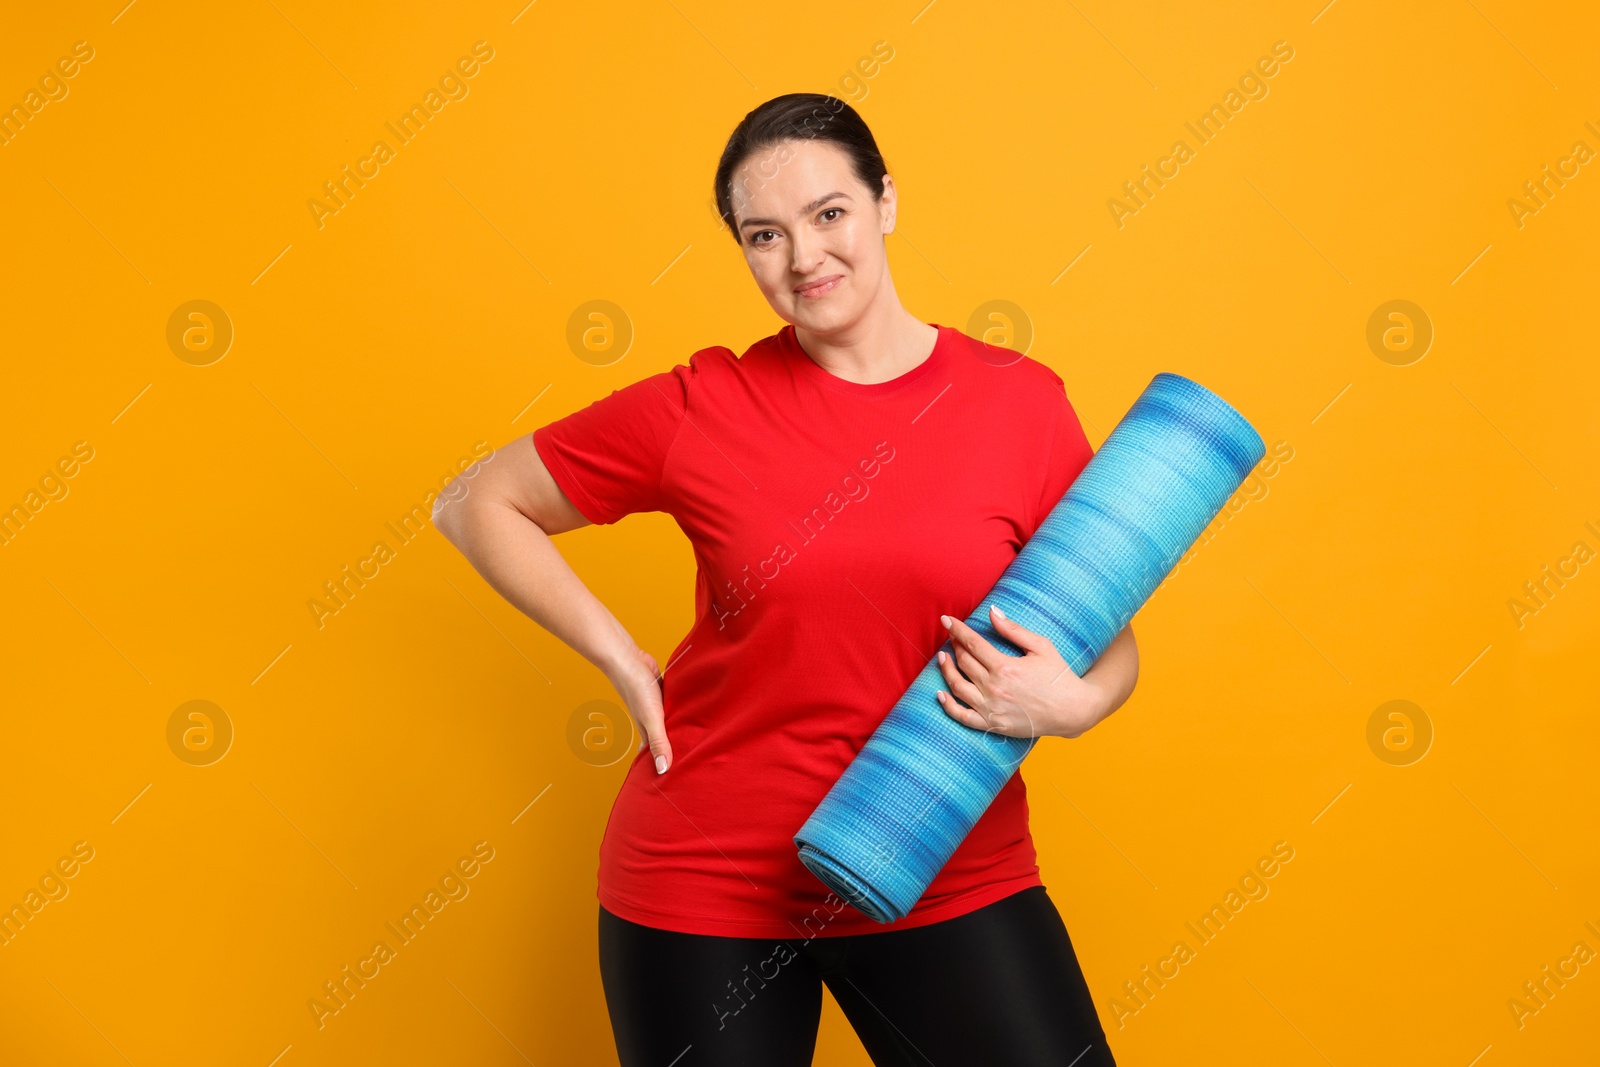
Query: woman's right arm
x=502, y=518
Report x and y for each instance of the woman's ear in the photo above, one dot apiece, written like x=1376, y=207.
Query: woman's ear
x=887, y=204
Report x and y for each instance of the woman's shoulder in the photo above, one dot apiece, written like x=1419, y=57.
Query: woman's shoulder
x=704, y=367
x=719, y=366
x=721, y=358
x=712, y=375
x=1005, y=368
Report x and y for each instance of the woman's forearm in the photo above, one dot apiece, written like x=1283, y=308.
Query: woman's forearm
x=523, y=565
x=1116, y=671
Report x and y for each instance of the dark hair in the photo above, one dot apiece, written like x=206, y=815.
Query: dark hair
x=798, y=116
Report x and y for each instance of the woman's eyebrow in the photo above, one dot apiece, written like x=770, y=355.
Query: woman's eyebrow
x=808, y=209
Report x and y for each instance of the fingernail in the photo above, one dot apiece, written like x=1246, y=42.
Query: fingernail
x=941, y=656
x=997, y=612
x=661, y=764
x=945, y=621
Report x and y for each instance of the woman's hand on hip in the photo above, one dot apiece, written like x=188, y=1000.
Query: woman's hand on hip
x=1033, y=695
x=638, y=681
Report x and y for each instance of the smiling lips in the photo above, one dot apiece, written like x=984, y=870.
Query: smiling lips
x=820, y=287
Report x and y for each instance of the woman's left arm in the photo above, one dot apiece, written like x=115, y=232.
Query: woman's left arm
x=1035, y=694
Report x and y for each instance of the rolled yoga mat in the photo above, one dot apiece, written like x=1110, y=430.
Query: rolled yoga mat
x=919, y=785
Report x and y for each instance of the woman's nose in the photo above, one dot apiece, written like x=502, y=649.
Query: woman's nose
x=805, y=256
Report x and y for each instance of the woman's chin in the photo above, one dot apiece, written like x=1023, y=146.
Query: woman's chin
x=821, y=316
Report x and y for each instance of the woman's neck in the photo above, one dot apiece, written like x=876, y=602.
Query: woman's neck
x=877, y=348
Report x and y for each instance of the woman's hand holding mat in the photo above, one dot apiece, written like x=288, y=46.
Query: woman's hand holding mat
x=1036, y=694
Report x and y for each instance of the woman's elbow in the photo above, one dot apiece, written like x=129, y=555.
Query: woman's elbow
x=1132, y=657
x=447, y=511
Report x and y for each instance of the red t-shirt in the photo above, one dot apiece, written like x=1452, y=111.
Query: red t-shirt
x=832, y=523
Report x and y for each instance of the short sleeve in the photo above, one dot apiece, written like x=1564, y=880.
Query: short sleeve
x=1065, y=456
x=608, y=457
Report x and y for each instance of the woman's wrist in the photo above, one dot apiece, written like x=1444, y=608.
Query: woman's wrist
x=1082, y=708
x=615, y=652
x=1102, y=689
x=618, y=659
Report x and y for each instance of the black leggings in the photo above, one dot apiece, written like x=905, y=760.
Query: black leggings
x=999, y=985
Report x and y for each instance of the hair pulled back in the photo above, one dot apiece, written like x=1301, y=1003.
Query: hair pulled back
x=796, y=116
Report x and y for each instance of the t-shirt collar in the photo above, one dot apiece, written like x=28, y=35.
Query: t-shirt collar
x=808, y=366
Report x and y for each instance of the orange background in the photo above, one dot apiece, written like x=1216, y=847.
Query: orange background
x=430, y=313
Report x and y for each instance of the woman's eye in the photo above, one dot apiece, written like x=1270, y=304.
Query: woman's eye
x=831, y=211
x=756, y=237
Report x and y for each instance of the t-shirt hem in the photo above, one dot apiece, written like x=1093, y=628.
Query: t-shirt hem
x=722, y=926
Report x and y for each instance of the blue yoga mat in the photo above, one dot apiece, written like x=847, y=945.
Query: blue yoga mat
x=918, y=786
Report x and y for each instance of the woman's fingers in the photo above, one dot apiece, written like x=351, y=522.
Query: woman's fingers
x=1022, y=637
x=969, y=664
x=642, y=692
x=967, y=698
x=962, y=638
x=970, y=641
x=655, y=735
x=653, y=727
x=963, y=689
x=964, y=716
x=979, y=674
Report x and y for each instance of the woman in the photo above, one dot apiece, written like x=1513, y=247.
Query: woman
x=852, y=486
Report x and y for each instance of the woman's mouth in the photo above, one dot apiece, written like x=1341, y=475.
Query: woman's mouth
x=820, y=287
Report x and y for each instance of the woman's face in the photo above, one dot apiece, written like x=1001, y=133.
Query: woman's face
x=812, y=233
